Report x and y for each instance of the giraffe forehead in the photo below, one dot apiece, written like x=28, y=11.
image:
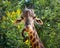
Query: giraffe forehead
x=29, y=10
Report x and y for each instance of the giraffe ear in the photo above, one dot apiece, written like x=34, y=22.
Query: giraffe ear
x=39, y=21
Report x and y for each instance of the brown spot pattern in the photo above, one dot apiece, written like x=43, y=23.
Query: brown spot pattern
x=33, y=40
x=35, y=45
x=31, y=37
x=33, y=34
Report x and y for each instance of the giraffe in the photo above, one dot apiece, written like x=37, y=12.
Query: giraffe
x=30, y=18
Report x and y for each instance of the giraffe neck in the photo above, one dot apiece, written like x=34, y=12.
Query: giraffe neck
x=29, y=25
x=34, y=39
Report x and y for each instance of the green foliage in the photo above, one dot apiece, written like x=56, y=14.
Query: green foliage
x=49, y=32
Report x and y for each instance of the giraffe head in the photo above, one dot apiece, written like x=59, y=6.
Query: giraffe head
x=30, y=13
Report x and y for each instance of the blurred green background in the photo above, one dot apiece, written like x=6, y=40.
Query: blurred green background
x=47, y=10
